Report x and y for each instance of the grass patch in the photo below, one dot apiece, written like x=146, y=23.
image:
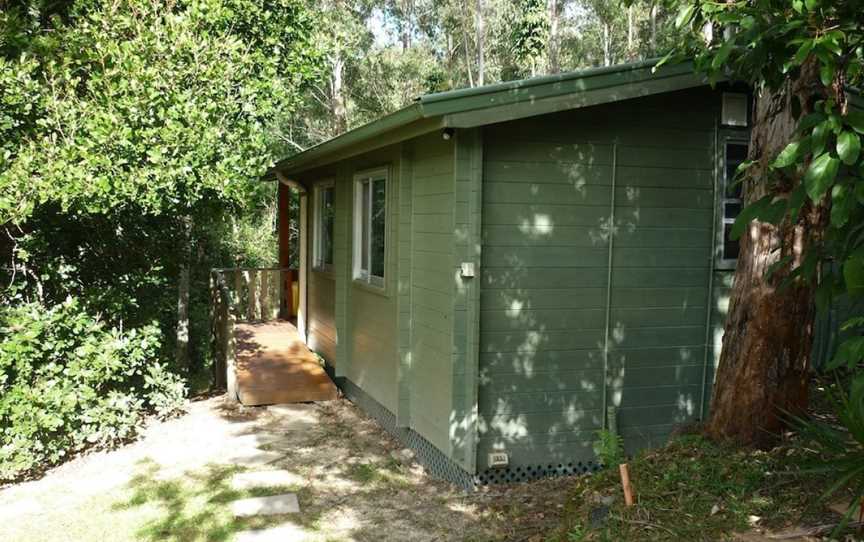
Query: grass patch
x=193, y=507
x=694, y=489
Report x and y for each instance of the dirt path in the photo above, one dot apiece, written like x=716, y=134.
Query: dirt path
x=352, y=483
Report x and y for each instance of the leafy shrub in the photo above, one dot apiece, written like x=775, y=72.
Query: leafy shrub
x=67, y=382
x=609, y=448
x=842, y=443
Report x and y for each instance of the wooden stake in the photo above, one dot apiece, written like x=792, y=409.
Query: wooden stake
x=625, y=483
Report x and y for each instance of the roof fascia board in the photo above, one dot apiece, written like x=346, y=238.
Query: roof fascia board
x=596, y=96
x=547, y=87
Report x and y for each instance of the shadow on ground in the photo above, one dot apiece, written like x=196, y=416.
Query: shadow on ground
x=193, y=507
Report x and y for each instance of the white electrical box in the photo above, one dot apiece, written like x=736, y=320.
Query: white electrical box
x=498, y=459
x=734, y=110
x=467, y=269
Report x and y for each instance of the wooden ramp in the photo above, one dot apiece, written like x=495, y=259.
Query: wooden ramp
x=273, y=366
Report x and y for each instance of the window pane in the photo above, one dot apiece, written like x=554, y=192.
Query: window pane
x=736, y=153
x=364, y=228
x=731, y=210
x=327, y=218
x=730, y=248
x=379, y=214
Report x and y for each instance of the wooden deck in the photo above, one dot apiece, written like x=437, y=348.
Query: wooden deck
x=273, y=366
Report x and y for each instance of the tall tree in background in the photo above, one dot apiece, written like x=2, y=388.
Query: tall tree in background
x=804, y=194
x=380, y=54
x=531, y=34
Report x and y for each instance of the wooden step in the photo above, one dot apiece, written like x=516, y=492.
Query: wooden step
x=274, y=366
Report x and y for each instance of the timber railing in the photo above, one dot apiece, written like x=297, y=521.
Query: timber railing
x=251, y=294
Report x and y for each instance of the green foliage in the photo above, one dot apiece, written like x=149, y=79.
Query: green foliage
x=134, y=104
x=715, y=487
x=530, y=29
x=609, y=448
x=773, y=45
x=68, y=382
x=842, y=446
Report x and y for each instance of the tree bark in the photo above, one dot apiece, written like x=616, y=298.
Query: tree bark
x=480, y=29
x=631, y=32
x=338, y=109
x=607, y=44
x=467, y=48
x=765, y=361
x=181, y=353
x=654, y=29
x=554, y=12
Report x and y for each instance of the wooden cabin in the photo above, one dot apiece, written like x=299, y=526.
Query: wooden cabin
x=497, y=273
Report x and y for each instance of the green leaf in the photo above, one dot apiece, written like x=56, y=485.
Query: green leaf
x=789, y=156
x=803, y=52
x=853, y=323
x=722, y=54
x=684, y=15
x=826, y=74
x=811, y=4
x=849, y=354
x=848, y=147
x=767, y=209
x=842, y=205
x=855, y=119
x=820, y=175
x=820, y=136
x=853, y=274
x=809, y=121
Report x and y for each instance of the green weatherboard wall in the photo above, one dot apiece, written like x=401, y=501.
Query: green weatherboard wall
x=548, y=202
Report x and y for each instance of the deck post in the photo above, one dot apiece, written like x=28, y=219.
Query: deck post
x=286, y=299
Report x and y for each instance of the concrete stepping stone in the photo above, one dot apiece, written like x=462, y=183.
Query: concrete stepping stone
x=265, y=478
x=281, y=533
x=266, y=506
x=254, y=458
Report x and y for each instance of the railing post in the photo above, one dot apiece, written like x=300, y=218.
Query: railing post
x=264, y=299
x=249, y=278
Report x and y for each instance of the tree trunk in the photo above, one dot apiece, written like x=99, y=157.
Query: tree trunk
x=554, y=65
x=765, y=361
x=654, y=29
x=407, y=23
x=631, y=32
x=467, y=48
x=481, y=30
x=338, y=110
x=607, y=45
x=181, y=354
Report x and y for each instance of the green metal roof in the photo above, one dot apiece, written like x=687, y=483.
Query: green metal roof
x=497, y=103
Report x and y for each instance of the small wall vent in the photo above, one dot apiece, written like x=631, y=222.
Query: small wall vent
x=498, y=460
x=734, y=111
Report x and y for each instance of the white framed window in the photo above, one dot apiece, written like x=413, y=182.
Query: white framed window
x=370, y=227
x=734, y=109
x=730, y=201
x=324, y=217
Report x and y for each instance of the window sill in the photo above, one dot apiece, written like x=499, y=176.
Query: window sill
x=725, y=265
x=371, y=288
x=324, y=271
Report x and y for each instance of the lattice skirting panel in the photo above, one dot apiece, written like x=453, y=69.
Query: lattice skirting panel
x=526, y=473
x=441, y=466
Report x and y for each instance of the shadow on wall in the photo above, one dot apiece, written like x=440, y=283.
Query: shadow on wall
x=545, y=340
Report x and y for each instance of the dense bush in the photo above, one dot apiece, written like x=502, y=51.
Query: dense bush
x=68, y=382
